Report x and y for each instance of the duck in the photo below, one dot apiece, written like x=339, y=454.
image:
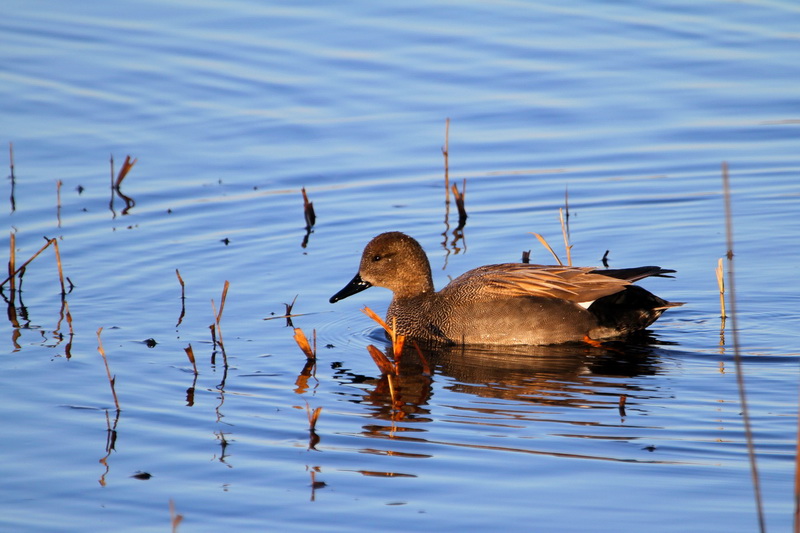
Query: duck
x=507, y=303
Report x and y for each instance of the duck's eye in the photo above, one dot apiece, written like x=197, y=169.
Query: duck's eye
x=376, y=258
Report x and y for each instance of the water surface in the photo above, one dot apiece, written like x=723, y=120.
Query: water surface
x=626, y=113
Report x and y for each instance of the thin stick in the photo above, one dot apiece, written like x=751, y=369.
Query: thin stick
x=751, y=451
x=564, y=232
x=218, y=316
x=183, y=297
x=12, y=261
x=446, y=153
x=59, y=183
x=721, y=283
x=546, y=245
x=60, y=270
x=13, y=178
x=111, y=379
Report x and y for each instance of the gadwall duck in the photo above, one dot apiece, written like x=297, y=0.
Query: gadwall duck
x=509, y=303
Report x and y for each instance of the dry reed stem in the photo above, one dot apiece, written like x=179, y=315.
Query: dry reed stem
x=12, y=261
x=183, y=298
x=174, y=518
x=313, y=416
x=381, y=361
x=446, y=153
x=302, y=341
x=54, y=242
x=111, y=379
x=190, y=355
x=60, y=269
x=721, y=284
x=459, y=197
x=546, y=245
x=127, y=165
x=183, y=285
x=567, y=245
x=218, y=316
x=58, y=201
x=370, y=313
x=751, y=451
x=308, y=210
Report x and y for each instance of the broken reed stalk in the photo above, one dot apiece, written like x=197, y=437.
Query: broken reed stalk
x=183, y=297
x=12, y=261
x=111, y=379
x=546, y=245
x=127, y=165
x=190, y=355
x=446, y=153
x=60, y=269
x=34, y=256
x=398, y=341
x=302, y=341
x=313, y=416
x=459, y=197
x=721, y=283
x=13, y=178
x=183, y=285
x=565, y=233
x=218, y=316
x=751, y=451
x=174, y=518
x=308, y=210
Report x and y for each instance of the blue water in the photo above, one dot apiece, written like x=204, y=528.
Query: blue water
x=626, y=112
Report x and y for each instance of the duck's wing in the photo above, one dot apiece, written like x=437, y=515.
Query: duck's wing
x=576, y=284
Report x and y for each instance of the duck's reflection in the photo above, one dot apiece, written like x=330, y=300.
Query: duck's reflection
x=543, y=377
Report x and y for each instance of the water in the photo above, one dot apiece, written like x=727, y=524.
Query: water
x=232, y=108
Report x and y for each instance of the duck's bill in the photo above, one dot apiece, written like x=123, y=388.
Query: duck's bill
x=356, y=285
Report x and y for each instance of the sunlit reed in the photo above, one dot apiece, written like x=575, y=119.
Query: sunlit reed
x=302, y=341
x=111, y=379
x=190, y=355
x=547, y=246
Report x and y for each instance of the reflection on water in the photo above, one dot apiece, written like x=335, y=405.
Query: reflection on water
x=523, y=384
